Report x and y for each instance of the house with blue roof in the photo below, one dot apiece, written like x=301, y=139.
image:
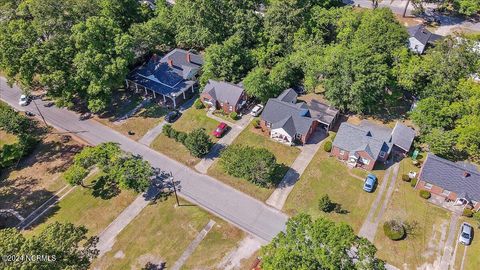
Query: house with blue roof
x=367, y=144
x=171, y=78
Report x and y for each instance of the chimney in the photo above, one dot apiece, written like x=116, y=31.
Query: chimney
x=466, y=174
x=170, y=62
x=188, y=57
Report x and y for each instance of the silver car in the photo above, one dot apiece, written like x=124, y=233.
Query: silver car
x=257, y=110
x=466, y=232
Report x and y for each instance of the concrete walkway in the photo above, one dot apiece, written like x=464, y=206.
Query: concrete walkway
x=448, y=259
x=280, y=194
x=153, y=133
x=193, y=245
x=227, y=139
x=106, y=239
x=370, y=225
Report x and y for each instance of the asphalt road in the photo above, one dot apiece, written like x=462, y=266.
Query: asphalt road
x=241, y=210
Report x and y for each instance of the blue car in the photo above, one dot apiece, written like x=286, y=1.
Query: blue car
x=369, y=183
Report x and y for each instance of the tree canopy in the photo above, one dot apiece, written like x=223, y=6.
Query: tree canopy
x=319, y=244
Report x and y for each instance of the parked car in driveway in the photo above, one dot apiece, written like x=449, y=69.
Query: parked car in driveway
x=370, y=182
x=257, y=110
x=220, y=130
x=172, y=116
x=24, y=100
x=466, y=234
x=85, y=116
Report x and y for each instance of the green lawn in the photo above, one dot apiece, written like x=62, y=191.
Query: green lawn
x=326, y=175
x=472, y=260
x=285, y=155
x=80, y=207
x=422, y=246
x=141, y=122
x=165, y=233
x=190, y=120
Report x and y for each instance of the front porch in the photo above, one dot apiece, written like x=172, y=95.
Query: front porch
x=172, y=100
x=456, y=206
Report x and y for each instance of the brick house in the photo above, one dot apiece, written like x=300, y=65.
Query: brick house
x=225, y=96
x=456, y=181
x=367, y=144
x=290, y=122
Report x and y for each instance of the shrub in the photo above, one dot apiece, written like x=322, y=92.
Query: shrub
x=467, y=212
x=198, y=143
x=413, y=182
x=325, y=204
x=332, y=137
x=234, y=115
x=257, y=165
x=394, y=230
x=75, y=174
x=425, y=194
x=327, y=146
x=181, y=137
x=198, y=104
x=166, y=130
x=406, y=178
x=256, y=123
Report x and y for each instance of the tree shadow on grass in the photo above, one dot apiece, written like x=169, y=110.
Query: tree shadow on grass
x=104, y=189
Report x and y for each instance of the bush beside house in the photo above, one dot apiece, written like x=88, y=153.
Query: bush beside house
x=327, y=146
x=425, y=194
x=198, y=104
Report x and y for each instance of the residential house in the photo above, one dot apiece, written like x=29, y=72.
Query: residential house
x=367, y=144
x=290, y=122
x=420, y=38
x=222, y=95
x=171, y=78
x=455, y=181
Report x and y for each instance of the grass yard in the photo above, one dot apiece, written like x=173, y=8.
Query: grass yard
x=190, y=120
x=326, y=175
x=430, y=224
x=165, y=233
x=472, y=260
x=141, y=122
x=285, y=155
x=7, y=138
x=80, y=207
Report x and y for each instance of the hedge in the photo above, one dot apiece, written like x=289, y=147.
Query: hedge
x=394, y=230
x=327, y=146
x=256, y=123
x=198, y=104
x=425, y=194
x=467, y=212
x=234, y=115
x=406, y=178
x=413, y=182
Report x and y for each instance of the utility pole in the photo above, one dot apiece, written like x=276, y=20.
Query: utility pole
x=39, y=112
x=405, y=10
x=174, y=188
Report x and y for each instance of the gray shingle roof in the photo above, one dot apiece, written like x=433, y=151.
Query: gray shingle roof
x=223, y=91
x=422, y=34
x=288, y=95
x=322, y=112
x=294, y=125
x=451, y=176
x=402, y=136
x=354, y=138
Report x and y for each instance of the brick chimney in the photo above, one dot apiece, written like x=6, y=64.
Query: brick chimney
x=189, y=57
x=466, y=174
x=170, y=62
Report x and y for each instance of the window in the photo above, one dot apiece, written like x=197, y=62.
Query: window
x=382, y=154
x=342, y=152
x=365, y=161
x=428, y=186
x=268, y=124
x=446, y=192
x=231, y=108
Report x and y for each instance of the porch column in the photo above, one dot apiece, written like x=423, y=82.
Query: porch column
x=146, y=92
x=136, y=88
x=164, y=99
x=184, y=95
x=126, y=83
x=154, y=96
x=193, y=90
x=174, y=103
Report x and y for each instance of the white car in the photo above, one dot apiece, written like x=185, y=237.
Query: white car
x=257, y=110
x=24, y=100
x=466, y=232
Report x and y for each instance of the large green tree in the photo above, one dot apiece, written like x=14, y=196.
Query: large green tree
x=319, y=244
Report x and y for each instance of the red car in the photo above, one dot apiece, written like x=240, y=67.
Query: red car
x=221, y=128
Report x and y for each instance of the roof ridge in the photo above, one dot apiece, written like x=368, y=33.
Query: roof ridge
x=454, y=164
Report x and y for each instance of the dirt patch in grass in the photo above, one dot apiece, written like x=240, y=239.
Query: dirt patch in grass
x=165, y=233
x=326, y=175
x=7, y=138
x=37, y=177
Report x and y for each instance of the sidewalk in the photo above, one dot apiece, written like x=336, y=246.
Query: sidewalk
x=280, y=194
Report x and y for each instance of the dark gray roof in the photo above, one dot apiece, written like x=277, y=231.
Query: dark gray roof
x=322, y=112
x=294, y=125
x=451, y=176
x=422, y=34
x=223, y=91
x=281, y=114
x=288, y=95
x=402, y=136
x=354, y=138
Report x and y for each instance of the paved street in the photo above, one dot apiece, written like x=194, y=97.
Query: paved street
x=280, y=194
x=238, y=208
